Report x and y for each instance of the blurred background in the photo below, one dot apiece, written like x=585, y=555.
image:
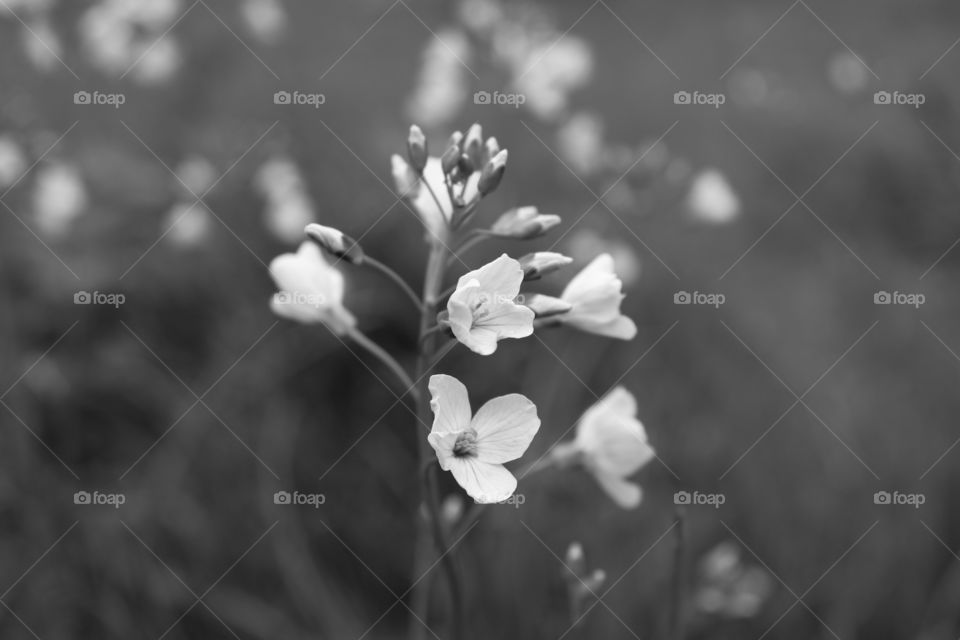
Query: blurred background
x=799, y=160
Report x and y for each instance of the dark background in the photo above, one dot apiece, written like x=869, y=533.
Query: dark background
x=103, y=398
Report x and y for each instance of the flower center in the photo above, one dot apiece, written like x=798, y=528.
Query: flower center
x=466, y=444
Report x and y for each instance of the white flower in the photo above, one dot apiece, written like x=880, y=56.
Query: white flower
x=482, y=309
x=595, y=295
x=474, y=447
x=612, y=445
x=311, y=290
x=712, y=199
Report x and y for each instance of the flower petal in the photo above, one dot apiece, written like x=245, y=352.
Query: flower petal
x=484, y=482
x=443, y=443
x=508, y=320
x=583, y=284
x=627, y=495
x=505, y=427
x=621, y=327
x=433, y=218
x=502, y=277
x=450, y=404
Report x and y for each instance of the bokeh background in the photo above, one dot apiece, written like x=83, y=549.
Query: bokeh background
x=798, y=199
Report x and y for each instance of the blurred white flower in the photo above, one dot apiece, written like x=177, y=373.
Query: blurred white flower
x=847, y=73
x=42, y=45
x=482, y=310
x=480, y=16
x=584, y=244
x=550, y=71
x=434, y=218
x=311, y=289
x=196, y=174
x=580, y=143
x=612, y=445
x=595, y=296
x=728, y=587
x=711, y=198
x=188, y=223
x=12, y=162
x=129, y=35
x=158, y=61
x=59, y=197
x=442, y=84
x=266, y=19
x=288, y=205
x=474, y=447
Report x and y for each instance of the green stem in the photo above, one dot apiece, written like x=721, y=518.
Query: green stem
x=395, y=277
x=361, y=339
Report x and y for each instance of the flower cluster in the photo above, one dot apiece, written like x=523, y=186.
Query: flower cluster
x=484, y=306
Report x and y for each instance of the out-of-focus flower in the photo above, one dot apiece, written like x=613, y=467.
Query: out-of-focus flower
x=580, y=143
x=480, y=16
x=442, y=83
x=434, y=218
x=311, y=289
x=612, y=445
x=42, y=45
x=847, y=73
x=196, y=174
x=12, y=162
x=59, y=197
x=188, y=223
x=582, y=583
x=417, y=149
x=266, y=19
x=585, y=244
x=288, y=205
x=474, y=447
x=712, y=199
x=595, y=295
x=729, y=587
x=159, y=62
x=524, y=223
x=482, y=310
x=550, y=71
x=540, y=263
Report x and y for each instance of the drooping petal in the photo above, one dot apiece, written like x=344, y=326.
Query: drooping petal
x=450, y=404
x=583, y=284
x=508, y=320
x=627, y=495
x=480, y=340
x=443, y=443
x=618, y=401
x=505, y=427
x=483, y=481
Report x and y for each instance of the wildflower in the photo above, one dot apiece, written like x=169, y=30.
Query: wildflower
x=712, y=199
x=417, y=149
x=492, y=173
x=524, y=223
x=595, y=294
x=474, y=447
x=611, y=444
x=482, y=310
x=336, y=242
x=311, y=290
x=540, y=263
x=729, y=587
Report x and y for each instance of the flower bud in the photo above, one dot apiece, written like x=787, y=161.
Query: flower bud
x=492, y=173
x=404, y=177
x=544, y=306
x=491, y=148
x=540, y=263
x=595, y=580
x=524, y=223
x=450, y=159
x=451, y=510
x=336, y=242
x=417, y=149
x=575, y=559
x=473, y=145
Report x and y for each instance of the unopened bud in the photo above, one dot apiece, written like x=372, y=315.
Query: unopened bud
x=473, y=145
x=335, y=242
x=403, y=176
x=492, y=173
x=452, y=509
x=490, y=149
x=595, y=580
x=544, y=306
x=540, y=263
x=524, y=223
x=450, y=159
x=575, y=559
x=417, y=149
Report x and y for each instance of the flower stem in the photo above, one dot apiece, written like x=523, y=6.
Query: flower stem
x=426, y=359
x=676, y=607
x=361, y=339
x=475, y=237
x=393, y=275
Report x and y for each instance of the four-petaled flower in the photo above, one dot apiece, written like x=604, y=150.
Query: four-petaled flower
x=611, y=444
x=482, y=309
x=595, y=295
x=311, y=289
x=474, y=447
